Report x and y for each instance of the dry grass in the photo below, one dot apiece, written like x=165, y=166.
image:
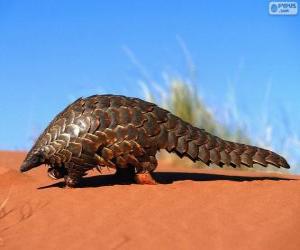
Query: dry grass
x=182, y=98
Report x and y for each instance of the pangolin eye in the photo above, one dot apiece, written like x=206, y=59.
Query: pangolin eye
x=35, y=159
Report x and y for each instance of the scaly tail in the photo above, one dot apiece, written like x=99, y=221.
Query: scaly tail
x=199, y=145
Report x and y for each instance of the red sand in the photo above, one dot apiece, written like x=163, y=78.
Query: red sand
x=194, y=209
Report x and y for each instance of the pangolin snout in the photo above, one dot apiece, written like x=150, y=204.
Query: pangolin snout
x=24, y=167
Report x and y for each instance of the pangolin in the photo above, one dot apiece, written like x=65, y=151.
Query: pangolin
x=125, y=133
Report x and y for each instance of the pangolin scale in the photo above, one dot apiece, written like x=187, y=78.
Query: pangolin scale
x=125, y=133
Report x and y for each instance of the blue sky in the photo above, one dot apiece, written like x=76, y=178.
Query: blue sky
x=52, y=52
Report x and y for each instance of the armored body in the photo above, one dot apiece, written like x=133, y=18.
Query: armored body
x=125, y=133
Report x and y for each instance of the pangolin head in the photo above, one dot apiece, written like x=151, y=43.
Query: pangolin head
x=33, y=159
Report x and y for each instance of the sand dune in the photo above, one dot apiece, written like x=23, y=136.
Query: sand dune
x=192, y=209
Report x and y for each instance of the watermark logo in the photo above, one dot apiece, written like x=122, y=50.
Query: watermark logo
x=283, y=8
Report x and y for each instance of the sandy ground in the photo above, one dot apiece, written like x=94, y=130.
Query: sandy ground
x=192, y=209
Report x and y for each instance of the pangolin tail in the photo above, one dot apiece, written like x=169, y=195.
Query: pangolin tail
x=199, y=145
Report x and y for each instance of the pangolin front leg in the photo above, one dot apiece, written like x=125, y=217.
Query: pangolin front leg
x=56, y=172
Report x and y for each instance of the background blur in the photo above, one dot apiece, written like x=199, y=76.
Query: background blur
x=226, y=65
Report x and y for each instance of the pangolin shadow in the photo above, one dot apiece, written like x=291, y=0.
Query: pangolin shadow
x=165, y=178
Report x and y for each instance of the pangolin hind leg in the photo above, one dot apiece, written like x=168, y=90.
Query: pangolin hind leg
x=125, y=174
x=145, y=178
x=74, y=174
x=140, y=174
x=144, y=169
x=137, y=166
